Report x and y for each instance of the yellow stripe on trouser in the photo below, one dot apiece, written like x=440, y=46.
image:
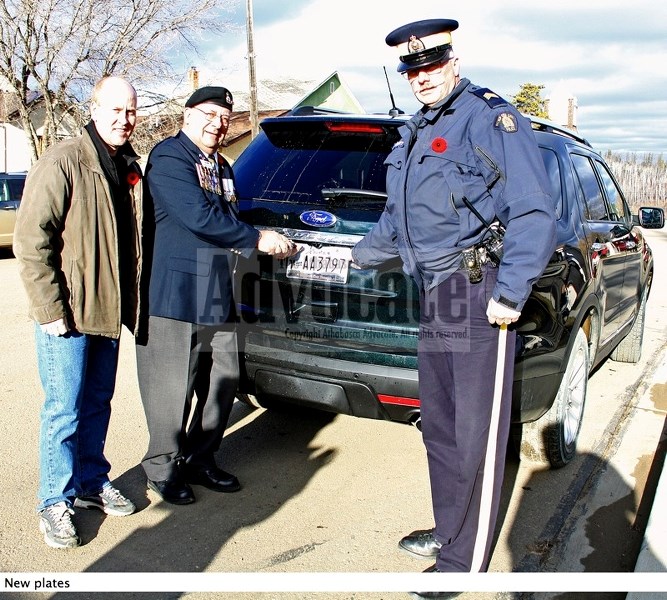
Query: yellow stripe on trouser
x=483, y=526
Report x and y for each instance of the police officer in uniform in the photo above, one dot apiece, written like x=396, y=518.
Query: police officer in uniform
x=466, y=171
x=190, y=347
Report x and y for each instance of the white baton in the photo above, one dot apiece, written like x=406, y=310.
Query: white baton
x=488, y=481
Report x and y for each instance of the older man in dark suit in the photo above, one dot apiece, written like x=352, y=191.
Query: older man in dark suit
x=190, y=345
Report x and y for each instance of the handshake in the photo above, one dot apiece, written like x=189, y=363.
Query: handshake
x=275, y=244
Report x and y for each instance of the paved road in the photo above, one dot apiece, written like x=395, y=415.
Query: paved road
x=334, y=494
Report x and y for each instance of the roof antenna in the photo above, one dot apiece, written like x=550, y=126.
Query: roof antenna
x=393, y=111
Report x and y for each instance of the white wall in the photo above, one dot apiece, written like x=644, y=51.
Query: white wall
x=14, y=149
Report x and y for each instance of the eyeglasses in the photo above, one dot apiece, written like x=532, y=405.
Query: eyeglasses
x=212, y=116
x=430, y=70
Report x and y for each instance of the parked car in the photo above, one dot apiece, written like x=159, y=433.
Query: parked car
x=11, y=190
x=317, y=333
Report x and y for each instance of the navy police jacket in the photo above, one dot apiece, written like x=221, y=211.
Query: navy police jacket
x=474, y=145
x=197, y=234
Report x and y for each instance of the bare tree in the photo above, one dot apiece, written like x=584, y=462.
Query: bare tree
x=643, y=179
x=52, y=51
x=152, y=128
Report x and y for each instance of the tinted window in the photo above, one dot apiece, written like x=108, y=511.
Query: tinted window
x=553, y=173
x=15, y=188
x=295, y=161
x=11, y=189
x=590, y=187
x=619, y=209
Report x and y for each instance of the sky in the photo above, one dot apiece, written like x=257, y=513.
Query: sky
x=611, y=55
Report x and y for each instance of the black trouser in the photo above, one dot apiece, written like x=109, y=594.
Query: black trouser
x=178, y=361
x=458, y=351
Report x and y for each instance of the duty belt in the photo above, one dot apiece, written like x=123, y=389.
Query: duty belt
x=489, y=251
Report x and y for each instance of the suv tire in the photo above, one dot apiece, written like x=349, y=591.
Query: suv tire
x=552, y=439
x=629, y=350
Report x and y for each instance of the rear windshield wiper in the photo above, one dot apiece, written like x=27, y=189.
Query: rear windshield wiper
x=351, y=193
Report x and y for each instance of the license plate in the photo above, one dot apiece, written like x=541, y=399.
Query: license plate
x=328, y=263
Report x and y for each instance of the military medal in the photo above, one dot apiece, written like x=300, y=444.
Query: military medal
x=207, y=171
x=228, y=190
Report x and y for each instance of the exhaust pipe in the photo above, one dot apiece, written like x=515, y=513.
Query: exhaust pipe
x=416, y=420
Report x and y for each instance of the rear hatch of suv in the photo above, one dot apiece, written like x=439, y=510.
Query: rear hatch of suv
x=320, y=180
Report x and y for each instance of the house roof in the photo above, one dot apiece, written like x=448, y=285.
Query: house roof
x=273, y=94
x=9, y=103
x=239, y=125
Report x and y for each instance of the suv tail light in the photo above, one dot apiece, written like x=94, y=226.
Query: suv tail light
x=398, y=400
x=353, y=127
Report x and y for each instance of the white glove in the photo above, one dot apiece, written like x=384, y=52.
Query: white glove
x=57, y=327
x=499, y=313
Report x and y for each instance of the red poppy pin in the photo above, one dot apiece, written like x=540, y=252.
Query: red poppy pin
x=133, y=178
x=439, y=144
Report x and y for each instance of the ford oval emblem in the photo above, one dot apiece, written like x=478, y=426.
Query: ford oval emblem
x=318, y=218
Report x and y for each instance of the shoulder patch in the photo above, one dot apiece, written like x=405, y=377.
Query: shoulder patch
x=491, y=98
x=506, y=122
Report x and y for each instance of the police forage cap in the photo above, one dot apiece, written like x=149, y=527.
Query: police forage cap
x=422, y=43
x=213, y=94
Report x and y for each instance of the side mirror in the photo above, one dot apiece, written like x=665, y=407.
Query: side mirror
x=650, y=217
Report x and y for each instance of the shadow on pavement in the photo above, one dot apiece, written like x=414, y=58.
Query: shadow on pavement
x=614, y=531
x=274, y=454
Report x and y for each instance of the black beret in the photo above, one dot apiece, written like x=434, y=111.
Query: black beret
x=423, y=42
x=213, y=94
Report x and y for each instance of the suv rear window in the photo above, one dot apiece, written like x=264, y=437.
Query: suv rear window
x=293, y=161
x=296, y=163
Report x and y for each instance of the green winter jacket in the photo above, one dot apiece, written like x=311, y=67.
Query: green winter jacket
x=66, y=241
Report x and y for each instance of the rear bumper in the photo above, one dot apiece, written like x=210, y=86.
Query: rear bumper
x=330, y=384
x=307, y=377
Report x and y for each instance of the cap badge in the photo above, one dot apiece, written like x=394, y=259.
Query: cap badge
x=415, y=44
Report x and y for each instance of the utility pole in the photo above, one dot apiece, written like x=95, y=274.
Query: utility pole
x=254, y=119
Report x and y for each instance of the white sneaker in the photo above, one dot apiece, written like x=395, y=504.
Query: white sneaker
x=109, y=501
x=55, y=522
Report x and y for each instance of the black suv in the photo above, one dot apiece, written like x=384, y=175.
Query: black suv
x=318, y=333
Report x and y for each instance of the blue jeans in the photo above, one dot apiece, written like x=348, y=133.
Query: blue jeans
x=78, y=374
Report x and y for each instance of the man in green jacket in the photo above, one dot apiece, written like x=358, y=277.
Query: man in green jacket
x=78, y=243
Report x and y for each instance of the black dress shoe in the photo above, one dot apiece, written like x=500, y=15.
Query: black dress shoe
x=441, y=595
x=174, y=491
x=420, y=544
x=438, y=595
x=212, y=478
